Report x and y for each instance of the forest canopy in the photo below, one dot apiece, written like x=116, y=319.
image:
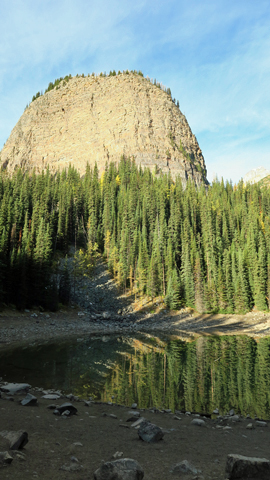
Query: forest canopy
x=208, y=249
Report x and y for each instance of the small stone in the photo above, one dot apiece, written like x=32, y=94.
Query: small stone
x=29, y=400
x=234, y=418
x=138, y=422
x=51, y=397
x=122, y=469
x=134, y=405
x=184, y=467
x=66, y=413
x=259, y=423
x=177, y=418
x=231, y=412
x=5, y=458
x=199, y=422
x=65, y=406
x=134, y=413
x=117, y=455
x=113, y=416
x=250, y=426
x=216, y=411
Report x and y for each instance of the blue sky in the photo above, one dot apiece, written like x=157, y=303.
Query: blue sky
x=214, y=55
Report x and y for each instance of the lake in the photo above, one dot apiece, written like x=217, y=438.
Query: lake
x=197, y=376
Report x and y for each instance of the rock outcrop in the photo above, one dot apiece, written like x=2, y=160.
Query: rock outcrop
x=99, y=119
x=255, y=175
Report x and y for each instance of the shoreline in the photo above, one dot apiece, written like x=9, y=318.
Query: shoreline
x=20, y=329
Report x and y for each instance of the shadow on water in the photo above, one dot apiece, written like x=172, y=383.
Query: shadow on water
x=210, y=372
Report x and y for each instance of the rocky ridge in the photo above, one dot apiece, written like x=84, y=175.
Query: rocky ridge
x=99, y=119
x=255, y=175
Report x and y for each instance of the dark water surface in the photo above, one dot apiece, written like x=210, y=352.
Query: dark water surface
x=200, y=375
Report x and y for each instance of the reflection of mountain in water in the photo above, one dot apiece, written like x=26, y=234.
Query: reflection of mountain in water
x=201, y=375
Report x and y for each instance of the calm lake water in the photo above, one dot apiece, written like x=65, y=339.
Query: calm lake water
x=200, y=375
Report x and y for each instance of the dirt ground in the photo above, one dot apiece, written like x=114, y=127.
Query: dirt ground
x=53, y=439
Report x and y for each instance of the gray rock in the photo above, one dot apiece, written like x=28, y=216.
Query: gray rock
x=5, y=458
x=150, y=433
x=73, y=467
x=134, y=413
x=240, y=467
x=117, y=455
x=199, y=422
x=216, y=411
x=122, y=469
x=231, y=412
x=259, y=423
x=14, y=388
x=138, y=422
x=66, y=413
x=184, y=467
x=16, y=440
x=51, y=397
x=29, y=400
x=234, y=418
x=250, y=426
x=65, y=406
x=134, y=405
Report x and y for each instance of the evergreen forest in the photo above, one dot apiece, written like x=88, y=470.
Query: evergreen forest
x=206, y=248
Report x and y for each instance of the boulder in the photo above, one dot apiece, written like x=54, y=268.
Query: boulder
x=150, y=433
x=14, y=388
x=5, y=458
x=16, y=440
x=122, y=469
x=240, y=467
x=29, y=400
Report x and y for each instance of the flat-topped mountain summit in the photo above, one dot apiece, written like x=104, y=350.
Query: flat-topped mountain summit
x=99, y=119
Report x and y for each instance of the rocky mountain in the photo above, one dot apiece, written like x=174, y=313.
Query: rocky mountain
x=255, y=175
x=265, y=182
x=99, y=119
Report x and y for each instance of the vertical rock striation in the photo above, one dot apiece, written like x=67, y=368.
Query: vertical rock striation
x=99, y=119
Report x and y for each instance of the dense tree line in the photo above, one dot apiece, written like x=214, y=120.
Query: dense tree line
x=208, y=249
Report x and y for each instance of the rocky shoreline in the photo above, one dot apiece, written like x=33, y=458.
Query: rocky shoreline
x=98, y=307
x=62, y=436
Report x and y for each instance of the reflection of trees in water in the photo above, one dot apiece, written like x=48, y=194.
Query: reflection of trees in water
x=210, y=372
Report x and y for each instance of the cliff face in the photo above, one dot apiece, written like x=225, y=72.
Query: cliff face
x=98, y=119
